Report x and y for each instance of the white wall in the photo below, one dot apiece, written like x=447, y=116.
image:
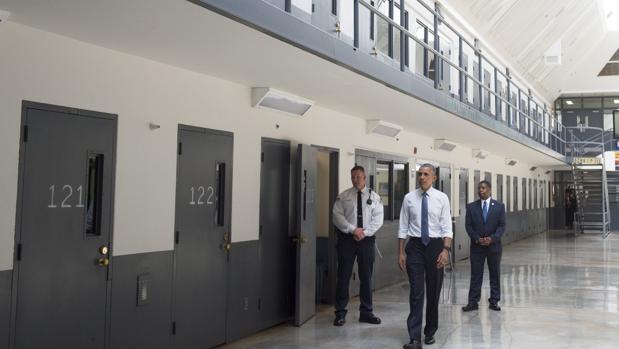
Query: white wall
x=44, y=67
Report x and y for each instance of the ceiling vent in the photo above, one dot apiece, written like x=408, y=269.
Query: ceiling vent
x=383, y=128
x=274, y=99
x=510, y=162
x=480, y=154
x=552, y=56
x=443, y=144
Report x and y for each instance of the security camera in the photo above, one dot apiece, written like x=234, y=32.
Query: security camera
x=4, y=16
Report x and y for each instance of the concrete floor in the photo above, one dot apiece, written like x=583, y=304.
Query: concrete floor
x=558, y=291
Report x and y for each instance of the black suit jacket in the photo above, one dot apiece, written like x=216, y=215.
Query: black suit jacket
x=495, y=222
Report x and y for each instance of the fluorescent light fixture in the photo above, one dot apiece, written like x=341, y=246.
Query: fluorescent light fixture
x=383, y=128
x=510, y=162
x=480, y=154
x=271, y=98
x=568, y=102
x=616, y=101
x=611, y=13
x=444, y=144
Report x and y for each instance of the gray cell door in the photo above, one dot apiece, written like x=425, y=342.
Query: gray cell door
x=461, y=238
x=202, y=237
x=61, y=281
x=444, y=181
x=514, y=112
x=475, y=85
x=498, y=193
x=324, y=15
x=487, y=95
x=305, y=302
x=276, y=255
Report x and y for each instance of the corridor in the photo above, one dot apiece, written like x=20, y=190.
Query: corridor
x=558, y=291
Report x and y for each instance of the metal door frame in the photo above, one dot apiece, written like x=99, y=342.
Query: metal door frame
x=27, y=105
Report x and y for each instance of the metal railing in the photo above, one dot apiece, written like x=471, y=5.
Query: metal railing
x=528, y=121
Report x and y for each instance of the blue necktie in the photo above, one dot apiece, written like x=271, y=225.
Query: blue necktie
x=425, y=231
x=484, y=208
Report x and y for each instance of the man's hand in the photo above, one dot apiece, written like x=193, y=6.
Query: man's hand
x=402, y=261
x=358, y=234
x=485, y=241
x=443, y=259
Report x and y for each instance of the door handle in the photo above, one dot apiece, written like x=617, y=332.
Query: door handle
x=103, y=250
x=226, y=247
x=103, y=262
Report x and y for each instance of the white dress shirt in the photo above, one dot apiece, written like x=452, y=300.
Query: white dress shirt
x=487, y=203
x=439, y=215
x=345, y=211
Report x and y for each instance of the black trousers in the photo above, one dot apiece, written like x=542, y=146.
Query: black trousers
x=478, y=257
x=421, y=267
x=347, y=250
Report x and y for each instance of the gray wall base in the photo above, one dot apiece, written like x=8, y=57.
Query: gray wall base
x=244, y=291
x=147, y=325
x=5, y=306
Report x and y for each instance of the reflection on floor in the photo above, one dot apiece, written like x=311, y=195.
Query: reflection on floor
x=558, y=291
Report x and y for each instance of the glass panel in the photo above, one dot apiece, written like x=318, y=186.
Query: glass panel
x=592, y=102
x=572, y=103
x=611, y=102
x=399, y=187
x=221, y=194
x=383, y=185
x=93, y=194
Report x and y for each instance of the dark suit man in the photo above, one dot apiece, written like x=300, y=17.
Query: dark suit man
x=485, y=224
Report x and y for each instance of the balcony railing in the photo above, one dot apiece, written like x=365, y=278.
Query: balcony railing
x=521, y=111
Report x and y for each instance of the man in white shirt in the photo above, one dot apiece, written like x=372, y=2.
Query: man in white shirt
x=357, y=214
x=425, y=221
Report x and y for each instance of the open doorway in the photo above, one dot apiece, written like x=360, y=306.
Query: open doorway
x=327, y=162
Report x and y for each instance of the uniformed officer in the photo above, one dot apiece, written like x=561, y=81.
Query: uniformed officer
x=357, y=214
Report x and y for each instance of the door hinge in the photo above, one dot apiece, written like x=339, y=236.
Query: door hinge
x=173, y=328
x=450, y=176
x=180, y=148
x=25, y=134
x=176, y=237
x=260, y=230
x=262, y=157
x=18, y=252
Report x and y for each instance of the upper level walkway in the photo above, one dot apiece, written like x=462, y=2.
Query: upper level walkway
x=558, y=291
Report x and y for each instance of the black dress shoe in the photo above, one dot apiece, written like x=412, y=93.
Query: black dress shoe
x=429, y=340
x=494, y=306
x=414, y=344
x=339, y=321
x=370, y=319
x=470, y=307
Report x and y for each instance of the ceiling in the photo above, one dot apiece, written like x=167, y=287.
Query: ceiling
x=182, y=34
x=523, y=30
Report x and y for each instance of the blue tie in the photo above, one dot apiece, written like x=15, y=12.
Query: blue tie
x=425, y=232
x=484, y=208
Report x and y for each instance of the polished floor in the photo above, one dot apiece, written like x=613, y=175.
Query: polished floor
x=558, y=291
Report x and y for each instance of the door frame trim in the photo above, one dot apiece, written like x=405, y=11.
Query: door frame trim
x=26, y=106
